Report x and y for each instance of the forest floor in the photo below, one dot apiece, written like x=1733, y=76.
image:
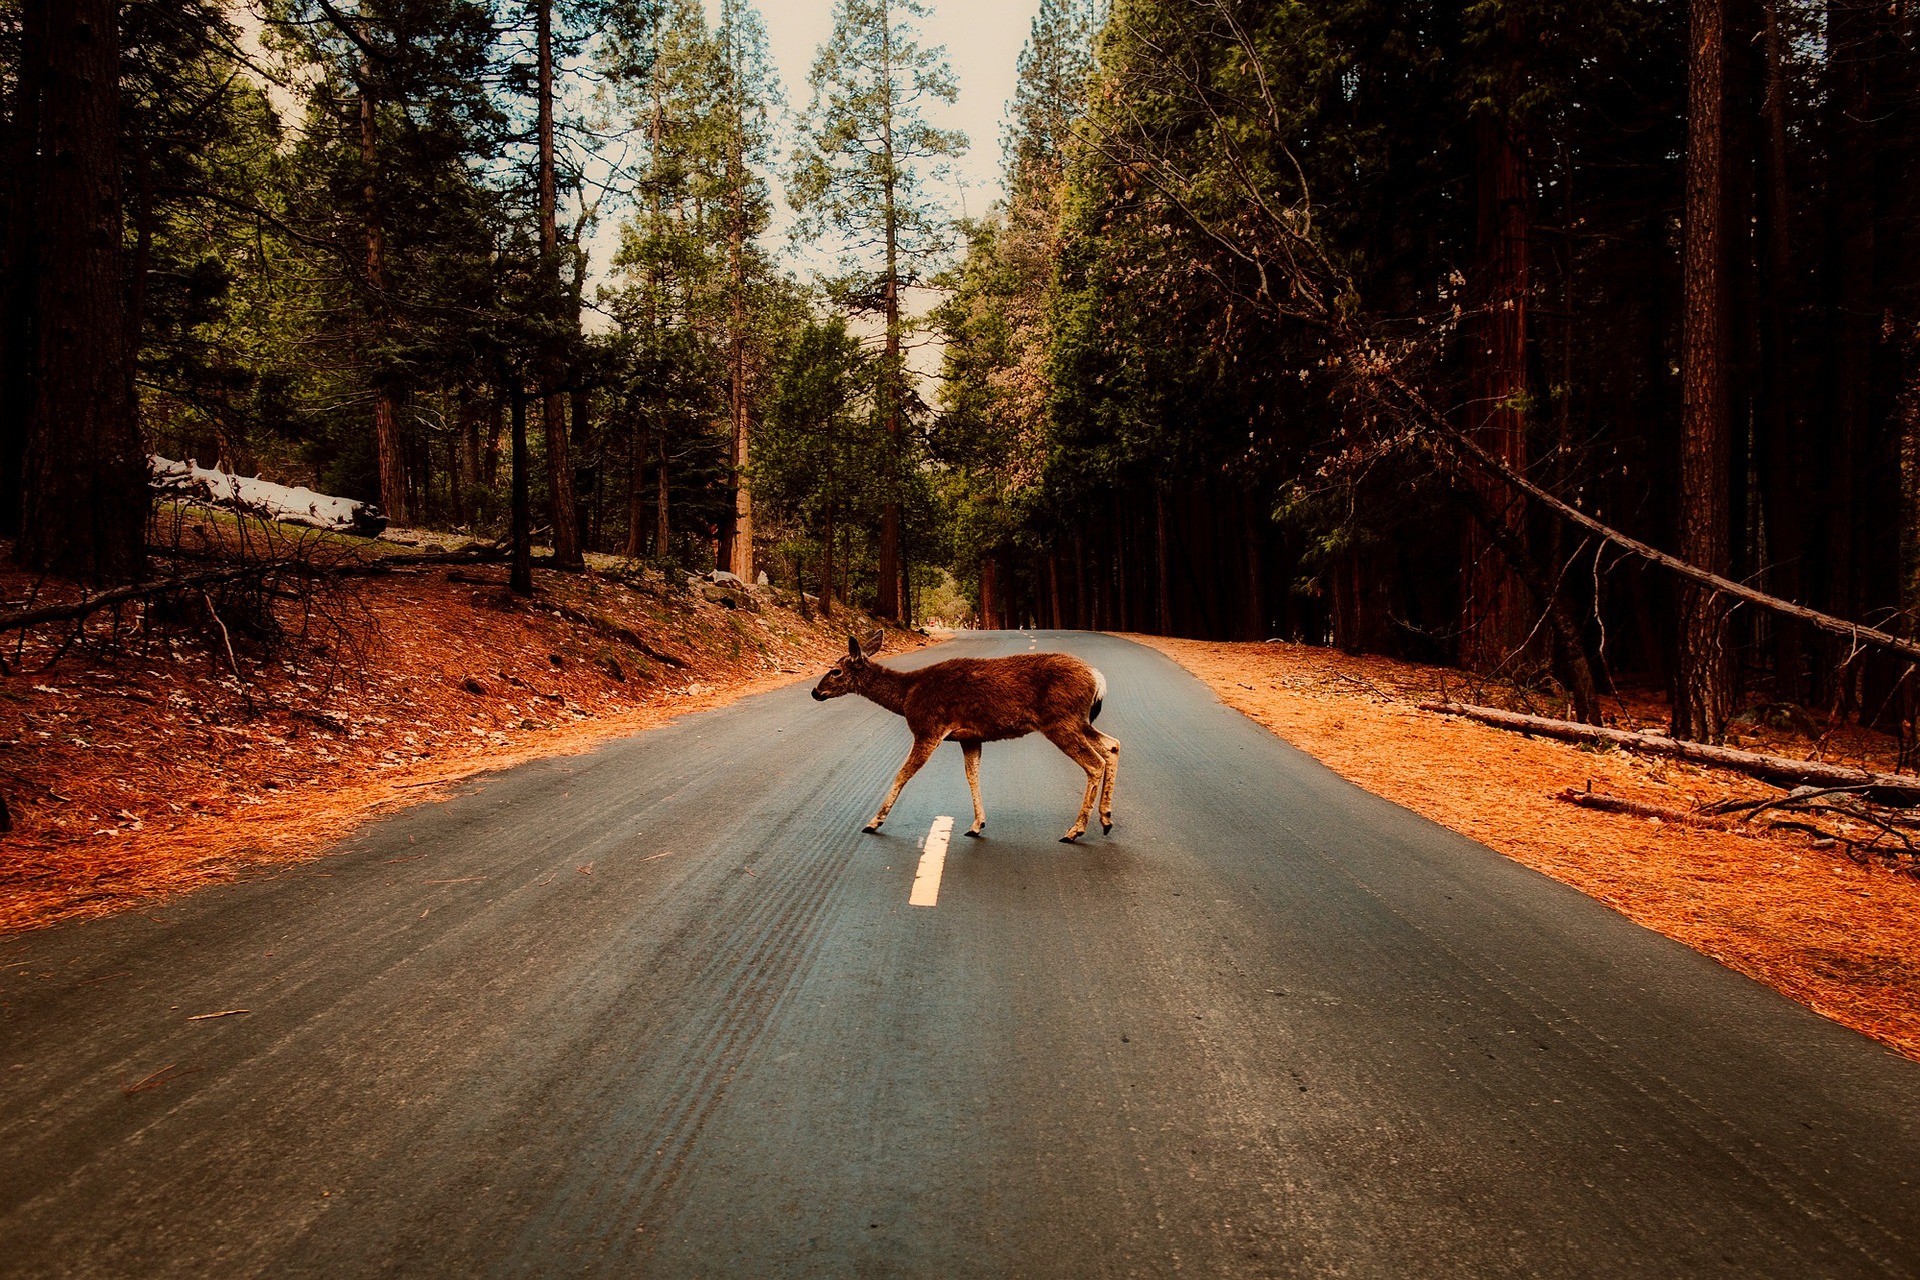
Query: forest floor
x=154, y=767
x=1783, y=907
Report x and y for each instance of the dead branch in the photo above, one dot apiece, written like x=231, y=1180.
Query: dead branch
x=1899, y=790
x=1620, y=804
x=91, y=604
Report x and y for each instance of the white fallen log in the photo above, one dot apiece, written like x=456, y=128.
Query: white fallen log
x=286, y=504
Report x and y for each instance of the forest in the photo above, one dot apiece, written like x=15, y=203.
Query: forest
x=1573, y=345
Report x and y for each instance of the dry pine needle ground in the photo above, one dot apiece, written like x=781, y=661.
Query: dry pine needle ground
x=158, y=772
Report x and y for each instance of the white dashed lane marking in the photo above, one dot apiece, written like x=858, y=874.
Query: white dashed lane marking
x=933, y=860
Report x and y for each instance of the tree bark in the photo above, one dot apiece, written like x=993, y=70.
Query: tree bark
x=467, y=505
x=826, y=566
x=1546, y=600
x=1778, y=434
x=1703, y=679
x=20, y=283
x=495, y=412
x=85, y=496
x=738, y=535
x=660, y=530
x=520, y=575
x=639, y=445
x=388, y=449
x=1493, y=622
x=1080, y=618
x=566, y=520
x=888, y=604
x=1163, y=569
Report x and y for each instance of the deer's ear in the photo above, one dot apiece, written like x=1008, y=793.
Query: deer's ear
x=853, y=647
x=877, y=642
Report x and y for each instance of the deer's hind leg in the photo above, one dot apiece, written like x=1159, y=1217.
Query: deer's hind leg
x=970, y=748
x=1109, y=748
x=921, y=753
x=1073, y=741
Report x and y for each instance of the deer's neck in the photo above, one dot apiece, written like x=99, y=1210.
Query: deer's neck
x=887, y=687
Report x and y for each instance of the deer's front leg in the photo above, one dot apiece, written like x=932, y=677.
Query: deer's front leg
x=922, y=750
x=971, y=750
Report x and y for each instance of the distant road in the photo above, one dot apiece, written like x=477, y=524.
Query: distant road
x=664, y=1010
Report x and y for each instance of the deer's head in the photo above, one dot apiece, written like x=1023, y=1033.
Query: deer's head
x=845, y=676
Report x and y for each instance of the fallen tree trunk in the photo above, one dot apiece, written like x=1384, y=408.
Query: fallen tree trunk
x=1901, y=790
x=263, y=498
x=1634, y=808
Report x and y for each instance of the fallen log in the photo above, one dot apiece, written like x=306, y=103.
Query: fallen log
x=283, y=503
x=1899, y=790
x=1637, y=809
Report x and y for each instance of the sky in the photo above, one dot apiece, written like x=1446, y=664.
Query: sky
x=983, y=39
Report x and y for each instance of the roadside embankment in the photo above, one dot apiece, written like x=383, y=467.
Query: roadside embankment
x=152, y=765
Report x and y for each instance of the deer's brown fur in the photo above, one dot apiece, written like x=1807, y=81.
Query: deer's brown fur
x=976, y=700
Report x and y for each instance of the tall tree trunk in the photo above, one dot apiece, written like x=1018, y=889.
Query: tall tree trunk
x=86, y=496
x=388, y=449
x=566, y=520
x=661, y=548
x=1252, y=598
x=738, y=534
x=520, y=573
x=1163, y=567
x=19, y=284
x=1053, y=589
x=138, y=270
x=826, y=565
x=888, y=605
x=1493, y=622
x=1849, y=108
x=580, y=436
x=1703, y=680
x=467, y=505
x=1779, y=428
x=495, y=412
x=1080, y=619
x=639, y=444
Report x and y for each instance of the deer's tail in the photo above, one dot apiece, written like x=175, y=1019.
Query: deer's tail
x=1099, y=694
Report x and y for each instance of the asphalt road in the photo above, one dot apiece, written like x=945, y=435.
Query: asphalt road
x=664, y=1010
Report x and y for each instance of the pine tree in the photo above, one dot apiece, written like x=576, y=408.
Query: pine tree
x=867, y=157
x=85, y=500
x=1703, y=679
x=1049, y=94
x=747, y=138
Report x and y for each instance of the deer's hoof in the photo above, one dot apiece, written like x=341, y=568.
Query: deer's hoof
x=974, y=831
x=871, y=827
x=1069, y=839
x=1106, y=828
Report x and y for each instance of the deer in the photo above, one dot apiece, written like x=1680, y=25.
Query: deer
x=976, y=700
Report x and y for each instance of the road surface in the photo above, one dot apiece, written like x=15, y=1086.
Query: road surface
x=664, y=1010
